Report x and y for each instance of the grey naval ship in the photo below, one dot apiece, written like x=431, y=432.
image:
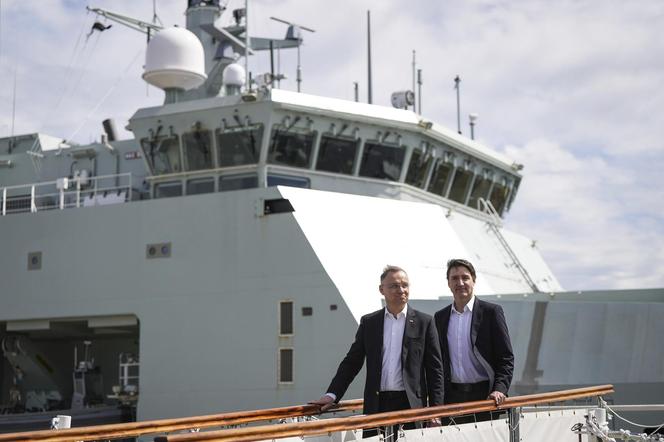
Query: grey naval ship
x=221, y=258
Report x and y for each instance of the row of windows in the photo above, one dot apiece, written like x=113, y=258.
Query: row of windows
x=336, y=154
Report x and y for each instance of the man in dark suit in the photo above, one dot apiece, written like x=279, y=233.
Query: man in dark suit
x=400, y=346
x=475, y=344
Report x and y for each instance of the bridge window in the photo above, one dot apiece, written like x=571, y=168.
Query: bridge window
x=418, y=168
x=163, y=154
x=336, y=154
x=381, y=161
x=460, y=185
x=241, y=145
x=237, y=182
x=291, y=148
x=441, y=174
x=168, y=190
x=498, y=197
x=200, y=185
x=285, y=318
x=480, y=190
x=198, y=149
x=290, y=181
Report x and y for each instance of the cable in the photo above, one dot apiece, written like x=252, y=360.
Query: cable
x=106, y=95
x=628, y=421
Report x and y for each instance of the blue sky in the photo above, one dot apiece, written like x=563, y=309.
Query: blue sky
x=571, y=89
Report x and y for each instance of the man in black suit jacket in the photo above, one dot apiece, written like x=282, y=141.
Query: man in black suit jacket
x=475, y=344
x=400, y=345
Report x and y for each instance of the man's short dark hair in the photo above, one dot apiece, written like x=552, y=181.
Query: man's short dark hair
x=390, y=269
x=460, y=263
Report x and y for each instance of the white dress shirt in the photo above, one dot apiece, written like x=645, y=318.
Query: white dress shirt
x=391, y=378
x=464, y=365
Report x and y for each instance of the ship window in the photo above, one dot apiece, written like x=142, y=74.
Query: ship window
x=286, y=318
x=198, y=149
x=499, y=197
x=439, y=178
x=167, y=190
x=237, y=182
x=285, y=365
x=163, y=155
x=460, y=185
x=381, y=161
x=291, y=148
x=418, y=168
x=480, y=190
x=336, y=154
x=237, y=146
x=200, y=185
x=290, y=181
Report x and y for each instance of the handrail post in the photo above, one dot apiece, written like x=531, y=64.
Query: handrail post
x=78, y=191
x=4, y=201
x=513, y=417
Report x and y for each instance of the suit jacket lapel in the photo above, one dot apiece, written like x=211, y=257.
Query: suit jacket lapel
x=475, y=321
x=444, y=325
x=411, y=324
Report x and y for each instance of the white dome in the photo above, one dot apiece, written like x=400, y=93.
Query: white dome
x=234, y=75
x=175, y=59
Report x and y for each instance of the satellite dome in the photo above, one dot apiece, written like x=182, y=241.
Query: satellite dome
x=234, y=77
x=175, y=59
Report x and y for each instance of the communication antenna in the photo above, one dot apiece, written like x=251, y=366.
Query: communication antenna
x=294, y=33
x=473, y=120
x=369, y=55
x=419, y=91
x=457, y=81
x=414, y=68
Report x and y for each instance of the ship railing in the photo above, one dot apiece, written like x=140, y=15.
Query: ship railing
x=302, y=427
x=64, y=193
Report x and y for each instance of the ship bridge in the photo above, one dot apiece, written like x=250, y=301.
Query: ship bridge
x=277, y=137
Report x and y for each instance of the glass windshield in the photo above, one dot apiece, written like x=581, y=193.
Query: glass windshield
x=418, y=168
x=198, y=149
x=163, y=155
x=336, y=154
x=439, y=178
x=290, y=148
x=381, y=161
x=460, y=185
x=480, y=190
x=237, y=146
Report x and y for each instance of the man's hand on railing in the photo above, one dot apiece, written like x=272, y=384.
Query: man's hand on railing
x=497, y=397
x=325, y=403
x=431, y=423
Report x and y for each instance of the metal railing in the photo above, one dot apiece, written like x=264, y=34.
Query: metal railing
x=66, y=193
x=296, y=429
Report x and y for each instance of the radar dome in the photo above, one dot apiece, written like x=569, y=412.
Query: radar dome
x=234, y=77
x=175, y=59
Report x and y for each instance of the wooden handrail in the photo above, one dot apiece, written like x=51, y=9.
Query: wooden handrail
x=326, y=426
x=135, y=429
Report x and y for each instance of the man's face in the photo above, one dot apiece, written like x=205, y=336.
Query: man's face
x=395, y=288
x=461, y=283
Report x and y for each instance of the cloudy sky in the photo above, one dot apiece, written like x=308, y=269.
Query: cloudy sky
x=573, y=89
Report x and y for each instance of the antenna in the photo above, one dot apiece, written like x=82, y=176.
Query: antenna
x=293, y=33
x=14, y=103
x=457, y=81
x=419, y=91
x=357, y=91
x=369, y=55
x=413, y=89
x=473, y=119
x=246, y=44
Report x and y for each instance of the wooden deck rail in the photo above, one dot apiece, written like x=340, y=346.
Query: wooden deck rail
x=325, y=426
x=135, y=429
